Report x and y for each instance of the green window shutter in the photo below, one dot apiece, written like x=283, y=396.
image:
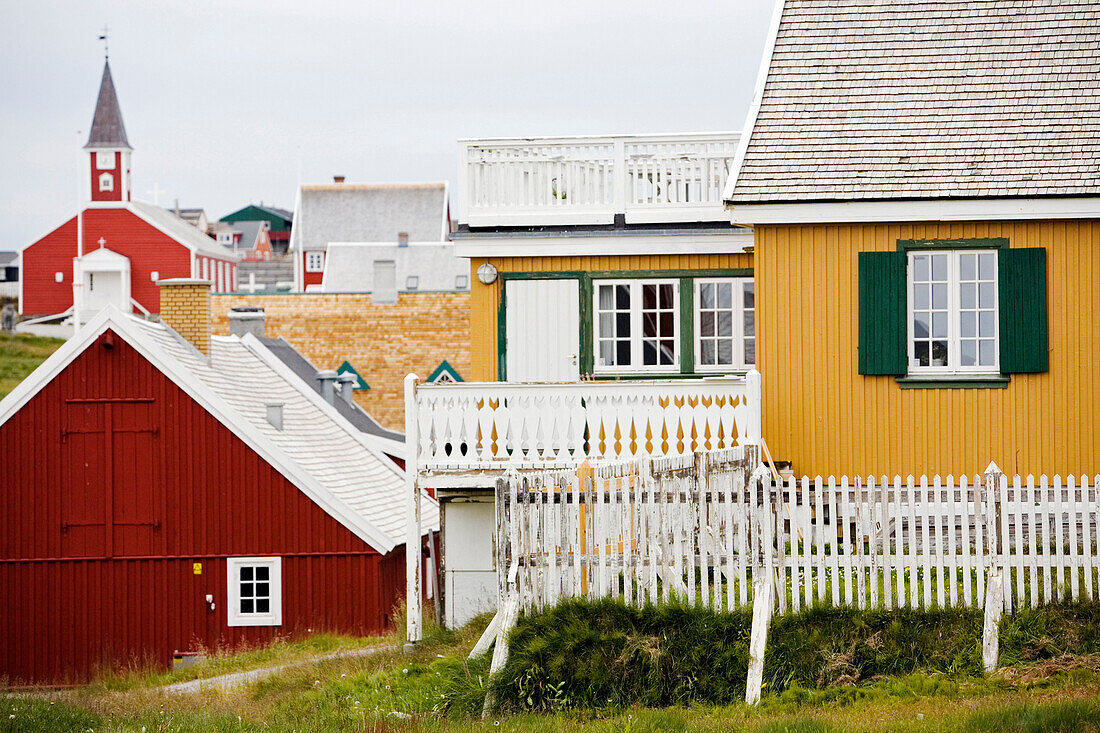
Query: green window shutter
x=1022, y=286
x=882, y=306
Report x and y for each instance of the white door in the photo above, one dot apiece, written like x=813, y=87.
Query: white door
x=543, y=330
x=102, y=288
x=469, y=580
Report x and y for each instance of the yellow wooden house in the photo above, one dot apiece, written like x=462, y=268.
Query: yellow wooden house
x=923, y=181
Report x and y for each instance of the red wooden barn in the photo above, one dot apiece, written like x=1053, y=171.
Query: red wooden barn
x=115, y=249
x=158, y=498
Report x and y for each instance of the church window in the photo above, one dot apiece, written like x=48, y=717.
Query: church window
x=315, y=261
x=106, y=182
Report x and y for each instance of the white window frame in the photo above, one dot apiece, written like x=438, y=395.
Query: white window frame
x=953, y=367
x=315, y=261
x=636, y=339
x=275, y=616
x=738, y=295
x=105, y=160
x=106, y=182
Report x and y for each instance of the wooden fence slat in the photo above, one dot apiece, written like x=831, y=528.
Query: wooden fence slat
x=1086, y=530
x=1074, y=556
x=1047, y=502
x=1059, y=555
x=819, y=538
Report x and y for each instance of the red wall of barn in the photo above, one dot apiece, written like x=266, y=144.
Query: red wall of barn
x=78, y=595
x=148, y=248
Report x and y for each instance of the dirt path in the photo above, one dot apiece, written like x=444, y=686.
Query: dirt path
x=226, y=682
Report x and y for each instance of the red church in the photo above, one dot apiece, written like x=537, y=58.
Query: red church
x=115, y=249
x=165, y=489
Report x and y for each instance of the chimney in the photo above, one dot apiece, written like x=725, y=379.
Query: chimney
x=327, y=378
x=275, y=414
x=185, y=307
x=347, y=387
x=402, y=239
x=247, y=319
x=177, y=207
x=337, y=179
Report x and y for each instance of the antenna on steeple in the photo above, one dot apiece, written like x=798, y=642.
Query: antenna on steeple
x=104, y=35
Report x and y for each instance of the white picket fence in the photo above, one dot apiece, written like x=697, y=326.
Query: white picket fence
x=701, y=527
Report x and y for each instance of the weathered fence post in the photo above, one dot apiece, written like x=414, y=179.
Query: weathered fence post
x=753, y=427
x=413, y=592
x=763, y=600
x=994, y=587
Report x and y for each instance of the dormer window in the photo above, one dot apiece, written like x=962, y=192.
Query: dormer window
x=105, y=161
x=106, y=182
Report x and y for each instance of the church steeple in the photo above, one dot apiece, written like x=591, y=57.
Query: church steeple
x=109, y=150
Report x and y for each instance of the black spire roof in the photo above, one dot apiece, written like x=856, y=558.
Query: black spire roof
x=107, y=128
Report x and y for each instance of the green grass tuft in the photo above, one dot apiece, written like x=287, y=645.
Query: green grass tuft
x=20, y=355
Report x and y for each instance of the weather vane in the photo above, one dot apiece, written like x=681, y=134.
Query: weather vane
x=104, y=36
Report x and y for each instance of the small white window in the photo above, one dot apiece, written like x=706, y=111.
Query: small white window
x=462, y=282
x=106, y=182
x=315, y=261
x=725, y=324
x=637, y=325
x=154, y=275
x=59, y=277
x=104, y=160
x=412, y=282
x=255, y=591
x=952, y=300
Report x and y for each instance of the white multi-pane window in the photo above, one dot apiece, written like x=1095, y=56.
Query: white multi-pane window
x=725, y=324
x=953, y=312
x=255, y=591
x=636, y=325
x=315, y=261
x=106, y=182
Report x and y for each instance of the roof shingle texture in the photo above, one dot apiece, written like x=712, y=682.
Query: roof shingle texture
x=909, y=99
x=369, y=213
x=107, y=128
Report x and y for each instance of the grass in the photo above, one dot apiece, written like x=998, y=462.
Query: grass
x=435, y=689
x=20, y=355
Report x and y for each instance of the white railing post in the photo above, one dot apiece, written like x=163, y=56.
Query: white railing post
x=994, y=587
x=462, y=199
x=413, y=593
x=618, y=193
x=753, y=427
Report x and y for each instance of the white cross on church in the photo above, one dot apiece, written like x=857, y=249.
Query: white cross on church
x=101, y=242
x=155, y=192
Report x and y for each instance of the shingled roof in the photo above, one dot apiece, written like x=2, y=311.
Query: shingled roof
x=926, y=99
x=107, y=128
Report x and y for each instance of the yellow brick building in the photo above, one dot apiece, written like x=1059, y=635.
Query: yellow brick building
x=383, y=342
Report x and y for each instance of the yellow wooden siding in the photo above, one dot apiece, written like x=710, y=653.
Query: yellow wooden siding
x=485, y=299
x=824, y=417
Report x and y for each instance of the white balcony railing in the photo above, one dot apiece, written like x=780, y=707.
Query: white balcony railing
x=492, y=426
x=588, y=180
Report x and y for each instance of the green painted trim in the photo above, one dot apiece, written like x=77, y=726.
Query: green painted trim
x=502, y=334
x=347, y=368
x=445, y=366
x=687, y=325
x=586, y=316
x=952, y=382
x=977, y=243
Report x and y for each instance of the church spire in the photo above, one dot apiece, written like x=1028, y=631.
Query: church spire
x=107, y=128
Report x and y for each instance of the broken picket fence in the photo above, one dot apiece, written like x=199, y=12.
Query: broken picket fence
x=717, y=529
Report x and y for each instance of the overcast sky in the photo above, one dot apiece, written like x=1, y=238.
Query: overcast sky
x=228, y=102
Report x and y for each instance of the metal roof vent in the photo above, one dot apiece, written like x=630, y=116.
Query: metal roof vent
x=275, y=414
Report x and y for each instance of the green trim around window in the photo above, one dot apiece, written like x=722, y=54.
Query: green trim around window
x=585, y=326
x=995, y=382
x=687, y=325
x=904, y=245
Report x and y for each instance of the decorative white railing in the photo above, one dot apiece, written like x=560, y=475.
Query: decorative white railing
x=588, y=180
x=490, y=425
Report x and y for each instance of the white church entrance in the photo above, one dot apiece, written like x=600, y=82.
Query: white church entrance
x=105, y=280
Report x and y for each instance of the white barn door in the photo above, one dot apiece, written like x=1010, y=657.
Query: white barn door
x=542, y=329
